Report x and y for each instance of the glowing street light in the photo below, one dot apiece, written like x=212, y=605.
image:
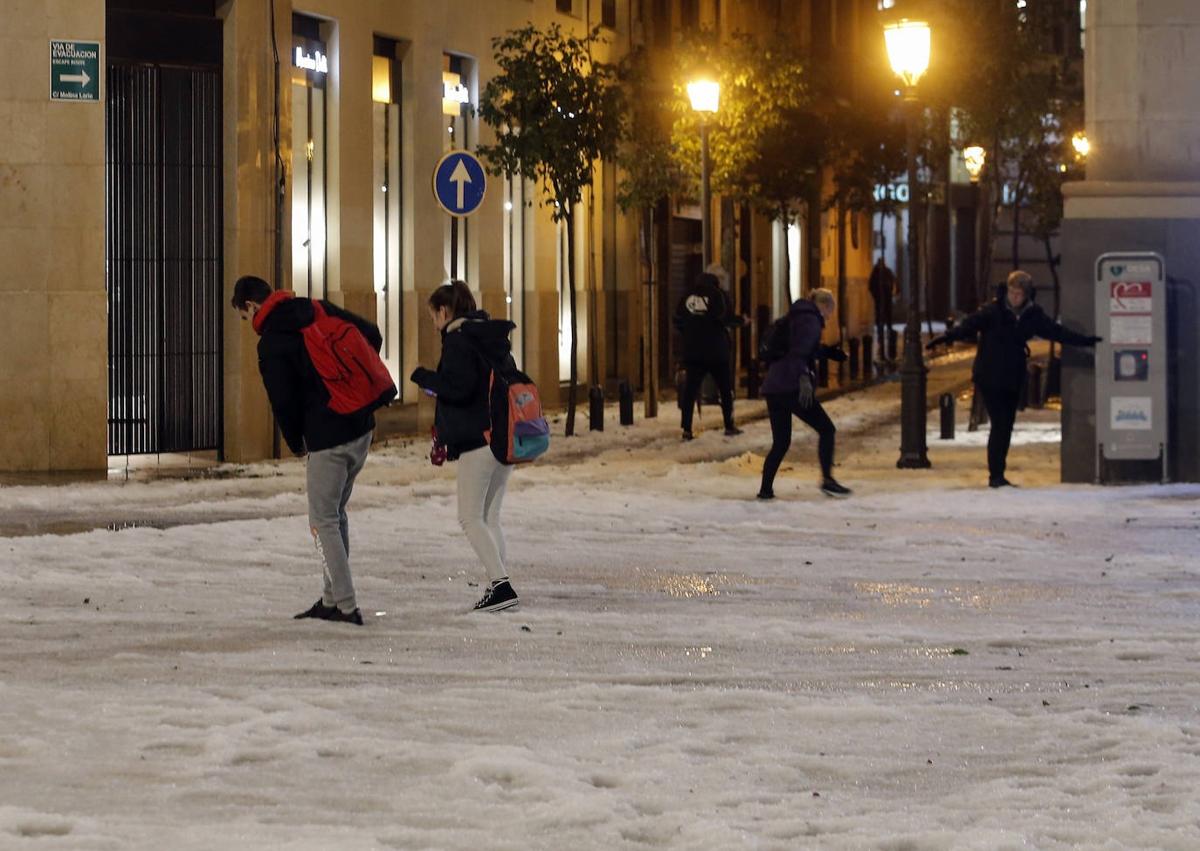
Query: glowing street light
x=908, y=50
x=705, y=95
x=1081, y=145
x=974, y=157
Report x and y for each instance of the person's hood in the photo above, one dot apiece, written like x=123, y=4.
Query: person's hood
x=490, y=335
x=804, y=305
x=283, y=312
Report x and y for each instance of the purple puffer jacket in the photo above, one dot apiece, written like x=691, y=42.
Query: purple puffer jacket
x=805, y=324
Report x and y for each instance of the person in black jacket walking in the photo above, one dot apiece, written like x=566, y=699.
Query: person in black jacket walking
x=1005, y=327
x=704, y=316
x=335, y=445
x=790, y=390
x=470, y=341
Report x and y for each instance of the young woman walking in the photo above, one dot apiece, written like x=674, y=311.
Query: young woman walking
x=470, y=341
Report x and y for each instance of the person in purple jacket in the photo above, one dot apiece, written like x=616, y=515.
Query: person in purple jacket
x=790, y=390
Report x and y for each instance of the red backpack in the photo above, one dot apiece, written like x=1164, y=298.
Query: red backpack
x=351, y=370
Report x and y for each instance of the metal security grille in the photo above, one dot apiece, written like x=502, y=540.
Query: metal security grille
x=163, y=259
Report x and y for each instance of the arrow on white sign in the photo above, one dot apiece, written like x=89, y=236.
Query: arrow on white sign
x=460, y=177
x=82, y=78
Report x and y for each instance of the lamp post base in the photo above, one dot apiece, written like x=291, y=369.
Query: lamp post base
x=914, y=453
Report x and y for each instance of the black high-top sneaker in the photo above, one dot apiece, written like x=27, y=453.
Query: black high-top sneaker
x=338, y=616
x=1000, y=482
x=499, y=595
x=831, y=487
x=732, y=431
x=316, y=610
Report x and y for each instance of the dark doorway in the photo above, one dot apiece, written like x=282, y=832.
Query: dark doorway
x=164, y=228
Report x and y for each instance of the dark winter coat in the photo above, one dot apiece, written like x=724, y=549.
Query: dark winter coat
x=1000, y=363
x=297, y=393
x=461, y=379
x=805, y=324
x=703, y=316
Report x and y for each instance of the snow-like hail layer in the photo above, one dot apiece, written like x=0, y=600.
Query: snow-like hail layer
x=929, y=665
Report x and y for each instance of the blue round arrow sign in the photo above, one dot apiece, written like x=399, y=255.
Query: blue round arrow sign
x=459, y=183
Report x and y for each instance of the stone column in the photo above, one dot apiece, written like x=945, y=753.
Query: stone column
x=1142, y=193
x=54, y=348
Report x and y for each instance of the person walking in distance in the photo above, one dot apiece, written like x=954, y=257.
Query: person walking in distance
x=324, y=417
x=1004, y=328
x=704, y=316
x=790, y=389
x=470, y=341
x=882, y=286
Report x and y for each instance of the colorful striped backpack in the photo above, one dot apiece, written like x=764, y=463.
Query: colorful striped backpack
x=519, y=432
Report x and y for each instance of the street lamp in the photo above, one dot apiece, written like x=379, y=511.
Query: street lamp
x=974, y=157
x=705, y=95
x=1081, y=145
x=908, y=52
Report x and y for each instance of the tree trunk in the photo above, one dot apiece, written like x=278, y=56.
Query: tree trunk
x=1016, y=232
x=593, y=317
x=649, y=295
x=572, y=387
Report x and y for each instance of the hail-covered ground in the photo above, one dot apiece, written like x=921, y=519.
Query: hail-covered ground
x=929, y=665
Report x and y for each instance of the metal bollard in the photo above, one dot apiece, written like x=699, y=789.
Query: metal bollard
x=868, y=357
x=946, y=402
x=596, y=409
x=753, y=379
x=893, y=344
x=823, y=372
x=625, y=394
x=854, y=344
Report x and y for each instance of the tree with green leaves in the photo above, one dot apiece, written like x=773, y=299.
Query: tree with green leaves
x=650, y=174
x=768, y=141
x=1016, y=97
x=555, y=111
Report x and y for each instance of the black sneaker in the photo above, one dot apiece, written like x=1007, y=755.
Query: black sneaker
x=317, y=610
x=831, y=487
x=499, y=595
x=338, y=616
x=732, y=431
x=765, y=495
x=1000, y=482
x=687, y=435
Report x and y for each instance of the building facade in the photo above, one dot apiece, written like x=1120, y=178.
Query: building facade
x=296, y=140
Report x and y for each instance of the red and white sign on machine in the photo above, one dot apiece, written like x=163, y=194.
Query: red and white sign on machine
x=1130, y=298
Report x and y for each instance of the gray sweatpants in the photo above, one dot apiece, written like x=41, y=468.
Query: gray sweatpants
x=331, y=474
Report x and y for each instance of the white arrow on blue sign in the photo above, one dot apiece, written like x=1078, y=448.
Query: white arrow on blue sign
x=459, y=183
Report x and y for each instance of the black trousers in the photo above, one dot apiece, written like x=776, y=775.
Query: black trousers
x=781, y=409
x=720, y=371
x=1002, y=411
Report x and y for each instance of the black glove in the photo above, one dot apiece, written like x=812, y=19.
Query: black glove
x=807, y=394
x=420, y=376
x=835, y=354
x=940, y=340
x=1091, y=341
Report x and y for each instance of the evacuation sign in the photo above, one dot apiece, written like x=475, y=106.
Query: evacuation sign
x=74, y=70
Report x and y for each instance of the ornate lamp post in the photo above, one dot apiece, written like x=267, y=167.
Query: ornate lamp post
x=908, y=52
x=705, y=95
x=974, y=157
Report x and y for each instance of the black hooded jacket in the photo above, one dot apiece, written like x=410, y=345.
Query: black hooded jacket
x=1000, y=363
x=703, y=316
x=298, y=396
x=461, y=379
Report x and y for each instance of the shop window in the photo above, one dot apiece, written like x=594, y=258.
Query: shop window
x=310, y=71
x=608, y=13
x=387, y=197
